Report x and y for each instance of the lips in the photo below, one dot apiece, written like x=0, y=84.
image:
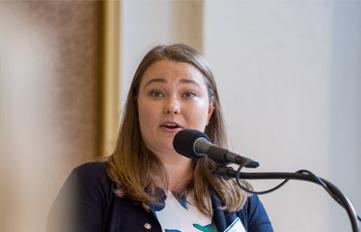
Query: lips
x=171, y=125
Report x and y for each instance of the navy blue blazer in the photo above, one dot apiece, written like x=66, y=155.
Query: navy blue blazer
x=94, y=207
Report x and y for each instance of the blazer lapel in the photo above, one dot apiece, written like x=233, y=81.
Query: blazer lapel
x=220, y=218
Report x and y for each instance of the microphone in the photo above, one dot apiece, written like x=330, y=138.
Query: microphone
x=195, y=145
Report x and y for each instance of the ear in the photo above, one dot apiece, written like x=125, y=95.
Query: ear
x=210, y=111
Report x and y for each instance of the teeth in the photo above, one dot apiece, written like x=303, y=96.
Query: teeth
x=170, y=124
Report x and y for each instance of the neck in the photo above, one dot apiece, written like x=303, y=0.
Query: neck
x=178, y=169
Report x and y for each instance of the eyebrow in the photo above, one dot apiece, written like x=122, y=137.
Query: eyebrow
x=187, y=81
x=161, y=80
x=156, y=80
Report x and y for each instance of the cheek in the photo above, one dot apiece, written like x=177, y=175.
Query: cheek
x=143, y=116
x=147, y=115
x=198, y=113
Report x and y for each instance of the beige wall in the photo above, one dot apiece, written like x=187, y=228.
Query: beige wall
x=50, y=54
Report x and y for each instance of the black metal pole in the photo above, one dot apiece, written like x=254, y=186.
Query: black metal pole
x=341, y=198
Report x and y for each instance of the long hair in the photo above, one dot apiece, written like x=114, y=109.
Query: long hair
x=131, y=154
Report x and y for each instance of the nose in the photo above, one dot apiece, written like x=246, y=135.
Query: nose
x=172, y=106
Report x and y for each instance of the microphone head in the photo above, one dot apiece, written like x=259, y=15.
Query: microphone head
x=184, y=140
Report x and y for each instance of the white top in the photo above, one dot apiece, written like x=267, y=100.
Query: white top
x=181, y=215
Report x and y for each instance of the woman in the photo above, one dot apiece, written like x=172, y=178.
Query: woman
x=145, y=185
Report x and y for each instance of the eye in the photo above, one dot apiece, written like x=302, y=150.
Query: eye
x=189, y=94
x=156, y=93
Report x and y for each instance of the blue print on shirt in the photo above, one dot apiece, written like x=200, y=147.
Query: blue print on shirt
x=183, y=203
x=207, y=228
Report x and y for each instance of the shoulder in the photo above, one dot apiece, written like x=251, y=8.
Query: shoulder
x=91, y=177
x=83, y=199
x=91, y=169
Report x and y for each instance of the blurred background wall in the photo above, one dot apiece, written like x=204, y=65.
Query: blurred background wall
x=288, y=73
x=50, y=70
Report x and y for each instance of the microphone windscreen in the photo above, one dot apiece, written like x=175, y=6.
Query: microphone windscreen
x=184, y=140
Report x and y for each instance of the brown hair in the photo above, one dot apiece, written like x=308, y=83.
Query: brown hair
x=131, y=154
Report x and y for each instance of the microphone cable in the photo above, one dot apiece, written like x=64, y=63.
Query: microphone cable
x=305, y=175
x=328, y=186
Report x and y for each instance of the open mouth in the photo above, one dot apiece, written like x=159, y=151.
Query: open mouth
x=170, y=125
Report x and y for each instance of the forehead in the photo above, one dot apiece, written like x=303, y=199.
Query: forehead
x=165, y=71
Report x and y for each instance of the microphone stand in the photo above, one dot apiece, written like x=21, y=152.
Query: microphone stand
x=335, y=193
